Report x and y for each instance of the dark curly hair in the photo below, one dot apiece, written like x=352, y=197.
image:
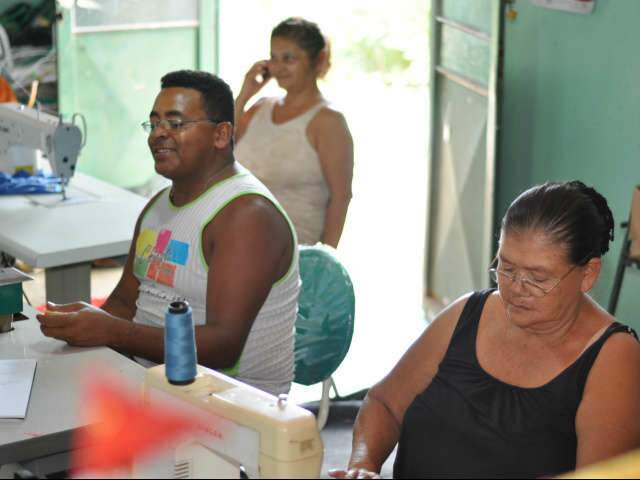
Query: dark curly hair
x=574, y=215
x=217, y=97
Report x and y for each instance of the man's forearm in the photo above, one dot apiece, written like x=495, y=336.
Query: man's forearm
x=117, y=306
x=214, y=350
x=139, y=340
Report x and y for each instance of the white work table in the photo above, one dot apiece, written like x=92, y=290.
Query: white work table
x=64, y=237
x=41, y=442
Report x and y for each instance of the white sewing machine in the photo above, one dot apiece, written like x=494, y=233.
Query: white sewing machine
x=25, y=131
x=245, y=431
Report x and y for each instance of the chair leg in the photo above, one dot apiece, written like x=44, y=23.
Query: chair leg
x=619, y=276
x=323, y=411
x=335, y=388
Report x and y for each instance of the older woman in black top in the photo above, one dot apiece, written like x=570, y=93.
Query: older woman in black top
x=529, y=380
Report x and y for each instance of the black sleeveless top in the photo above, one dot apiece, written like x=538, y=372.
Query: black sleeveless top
x=469, y=424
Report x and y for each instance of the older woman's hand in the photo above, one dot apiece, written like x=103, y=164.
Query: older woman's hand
x=353, y=473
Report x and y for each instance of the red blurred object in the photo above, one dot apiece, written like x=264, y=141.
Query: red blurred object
x=6, y=93
x=121, y=429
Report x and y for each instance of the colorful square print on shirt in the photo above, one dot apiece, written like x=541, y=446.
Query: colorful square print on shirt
x=166, y=274
x=158, y=257
x=178, y=252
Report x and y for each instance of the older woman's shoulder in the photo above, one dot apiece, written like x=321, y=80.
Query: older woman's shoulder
x=488, y=298
x=622, y=345
x=447, y=316
x=618, y=359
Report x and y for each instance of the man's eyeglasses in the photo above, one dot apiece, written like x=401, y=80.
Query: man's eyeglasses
x=535, y=288
x=172, y=124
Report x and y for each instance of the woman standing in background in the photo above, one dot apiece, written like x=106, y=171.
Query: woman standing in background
x=298, y=145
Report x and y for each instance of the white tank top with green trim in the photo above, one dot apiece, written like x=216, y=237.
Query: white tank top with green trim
x=170, y=266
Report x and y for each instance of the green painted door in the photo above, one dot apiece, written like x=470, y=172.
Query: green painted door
x=465, y=40
x=111, y=56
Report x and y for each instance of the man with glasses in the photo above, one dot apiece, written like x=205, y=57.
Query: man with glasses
x=216, y=238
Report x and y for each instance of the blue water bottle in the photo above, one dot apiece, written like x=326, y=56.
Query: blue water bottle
x=180, y=357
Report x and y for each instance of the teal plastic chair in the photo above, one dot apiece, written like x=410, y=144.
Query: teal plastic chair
x=324, y=328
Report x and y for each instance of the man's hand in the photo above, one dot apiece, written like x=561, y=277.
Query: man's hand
x=79, y=324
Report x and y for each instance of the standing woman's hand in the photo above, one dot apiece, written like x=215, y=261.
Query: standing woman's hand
x=256, y=78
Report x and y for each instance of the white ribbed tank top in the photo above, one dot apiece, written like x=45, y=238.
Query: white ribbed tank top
x=281, y=156
x=170, y=266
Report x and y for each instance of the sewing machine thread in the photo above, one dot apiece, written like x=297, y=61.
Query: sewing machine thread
x=180, y=356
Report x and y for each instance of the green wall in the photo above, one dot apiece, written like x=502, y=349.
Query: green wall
x=113, y=79
x=6, y=4
x=113, y=76
x=571, y=110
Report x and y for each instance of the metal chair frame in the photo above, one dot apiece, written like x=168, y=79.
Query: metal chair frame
x=624, y=262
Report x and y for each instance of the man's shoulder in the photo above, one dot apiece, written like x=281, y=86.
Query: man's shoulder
x=157, y=195
x=250, y=213
x=250, y=201
x=152, y=201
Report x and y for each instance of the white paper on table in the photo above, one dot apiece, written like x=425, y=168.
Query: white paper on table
x=16, y=380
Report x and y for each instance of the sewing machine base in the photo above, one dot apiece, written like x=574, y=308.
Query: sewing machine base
x=243, y=429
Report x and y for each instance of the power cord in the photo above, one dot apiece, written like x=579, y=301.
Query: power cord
x=26, y=298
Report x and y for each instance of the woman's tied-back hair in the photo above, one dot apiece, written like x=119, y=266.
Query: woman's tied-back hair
x=572, y=214
x=217, y=98
x=305, y=34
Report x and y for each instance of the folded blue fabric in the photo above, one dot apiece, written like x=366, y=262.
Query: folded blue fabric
x=24, y=184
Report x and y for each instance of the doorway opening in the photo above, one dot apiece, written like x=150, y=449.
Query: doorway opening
x=379, y=79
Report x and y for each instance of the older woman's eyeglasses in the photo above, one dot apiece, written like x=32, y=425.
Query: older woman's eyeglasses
x=172, y=124
x=535, y=288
